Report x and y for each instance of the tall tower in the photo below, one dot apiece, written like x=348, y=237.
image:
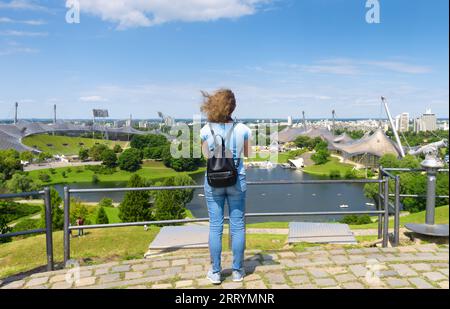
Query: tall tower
x=304, y=121
x=16, y=106
x=334, y=121
x=54, y=114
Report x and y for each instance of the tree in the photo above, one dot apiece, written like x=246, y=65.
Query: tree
x=130, y=160
x=171, y=205
x=109, y=158
x=4, y=228
x=27, y=156
x=9, y=163
x=409, y=161
x=117, y=148
x=302, y=141
x=96, y=151
x=105, y=202
x=150, y=140
x=78, y=210
x=44, y=156
x=389, y=160
x=57, y=211
x=44, y=177
x=22, y=183
x=83, y=154
x=321, y=157
x=136, y=205
x=102, y=218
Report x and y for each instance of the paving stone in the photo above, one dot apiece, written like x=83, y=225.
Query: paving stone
x=58, y=278
x=203, y=282
x=434, y=276
x=287, y=254
x=280, y=287
x=299, y=279
x=266, y=268
x=421, y=267
x=194, y=268
x=232, y=285
x=343, y=278
x=137, y=287
x=133, y=275
x=353, y=285
x=427, y=248
x=180, y=262
x=420, y=283
x=355, y=251
x=318, y=273
x=14, y=285
x=140, y=267
x=252, y=277
x=404, y=270
x=174, y=270
x=121, y=268
x=444, y=271
x=443, y=284
x=36, y=281
x=305, y=286
x=325, y=282
x=101, y=271
x=295, y=272
x=109, y=278
x=336, y=270
x=275, y=278
x=160, y=264
x=85, y=282
x=162, y=286
x=337, y=252
x=184, y=284
x=62, y=285
x=254, y=285
x=397, y=283
x=407, y=249
x=358, y=270
x=191, y=275
x=154, y=272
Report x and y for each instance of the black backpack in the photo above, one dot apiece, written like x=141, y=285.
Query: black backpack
x=221, y=169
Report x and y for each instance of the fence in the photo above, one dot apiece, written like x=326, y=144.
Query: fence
x=382, y=212
x=48, y=222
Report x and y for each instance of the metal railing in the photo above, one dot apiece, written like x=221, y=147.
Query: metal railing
x=48, y=222
x=431, y=196
x=383, y=213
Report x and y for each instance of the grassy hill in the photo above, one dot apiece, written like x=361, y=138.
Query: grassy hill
x=65, y=145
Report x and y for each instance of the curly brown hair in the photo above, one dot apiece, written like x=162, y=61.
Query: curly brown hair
x=219, y=106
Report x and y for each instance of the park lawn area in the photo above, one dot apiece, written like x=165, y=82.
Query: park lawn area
x=97, y=246
x=283, y=157
x=151, y=170
x=73, y=143
x=442, y=217
x=325, y=169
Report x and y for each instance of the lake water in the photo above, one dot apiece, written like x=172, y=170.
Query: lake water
x=274, y=198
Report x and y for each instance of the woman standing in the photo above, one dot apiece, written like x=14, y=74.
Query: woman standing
x=222, y=130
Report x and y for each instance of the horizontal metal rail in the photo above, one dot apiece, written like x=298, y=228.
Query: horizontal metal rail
x=401, y=169
x=22, y=194
x=22, y=233
x=250, y=215
x=417, y=195
x=254, y=183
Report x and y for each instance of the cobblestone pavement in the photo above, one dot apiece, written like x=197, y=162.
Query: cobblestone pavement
x=419, y=266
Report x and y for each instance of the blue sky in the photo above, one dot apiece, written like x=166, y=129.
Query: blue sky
x=279, y=56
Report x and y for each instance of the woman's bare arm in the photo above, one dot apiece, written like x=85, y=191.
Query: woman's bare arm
x=205, y=149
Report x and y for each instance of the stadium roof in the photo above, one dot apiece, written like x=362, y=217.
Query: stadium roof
x=290, y=134
x=11, y=134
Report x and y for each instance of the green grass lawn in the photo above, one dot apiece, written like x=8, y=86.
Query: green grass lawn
x=150, y=170
x=98, y=246
x=58, y=143
x=325, y=169
x=442, y=217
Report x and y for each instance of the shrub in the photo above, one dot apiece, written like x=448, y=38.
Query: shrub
x=22, y=183
x=117, y=148
x=109, y=158
x=96, y=151
x=130, y=160
x=335, y=174
x=4, y=229
x=95, y=179
x=102, y=218
x=356, y=220
x=57, y=211
x=44, y=177
x=136, y=205
x=322, y=156
x=350, y=174
x=105, y=202
x=26, y=224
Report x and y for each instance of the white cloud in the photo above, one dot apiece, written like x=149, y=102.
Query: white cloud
x=22, y=5
x=31, y=22
x=144, y=13
x=93, y=98
x=401, y=67
x=22, y=33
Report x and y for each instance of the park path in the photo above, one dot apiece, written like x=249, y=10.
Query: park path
x=423, y=266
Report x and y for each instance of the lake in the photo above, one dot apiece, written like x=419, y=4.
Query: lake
x=273, y=198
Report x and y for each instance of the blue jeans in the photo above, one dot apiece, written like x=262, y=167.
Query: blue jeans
x=215, y=199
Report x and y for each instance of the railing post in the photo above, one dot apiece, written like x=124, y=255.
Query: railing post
x=48, y=229
x=380, y=190
x=386, y=213
x=66, y=225
x=397, y=212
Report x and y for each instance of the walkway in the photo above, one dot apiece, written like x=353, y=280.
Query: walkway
x=418, y=266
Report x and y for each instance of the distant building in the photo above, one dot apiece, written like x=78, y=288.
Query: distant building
x=143, y=124
x=426, y=122
x=402, y=122
x=289, y=121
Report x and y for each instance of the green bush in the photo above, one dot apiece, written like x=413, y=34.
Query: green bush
x=105, y=202
x=102, y=218
x=57, y=211
x=44, y=177
x=12, y=211
x=95, y=179
x=136, y=205
x=350, y=174
x=335, y=174
x=26, y=225
x=117, y=149
x=356, y=220
x=130, y=160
